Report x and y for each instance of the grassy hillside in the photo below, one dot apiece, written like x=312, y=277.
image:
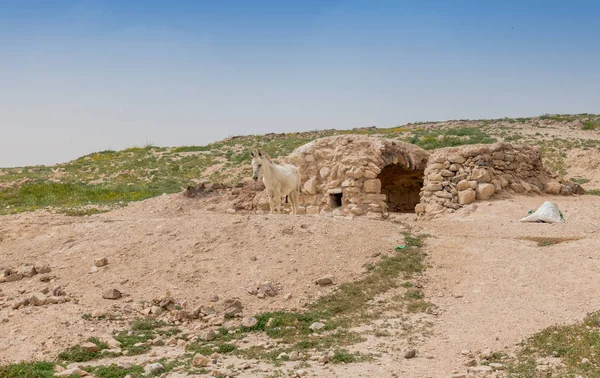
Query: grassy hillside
x=102, y=180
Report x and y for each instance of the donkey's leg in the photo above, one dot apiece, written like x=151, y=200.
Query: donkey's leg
x=271, y=204
x=278, y=200
x=294, y=201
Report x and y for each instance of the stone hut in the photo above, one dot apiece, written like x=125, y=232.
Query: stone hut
x=461, y=175
x=356, y=174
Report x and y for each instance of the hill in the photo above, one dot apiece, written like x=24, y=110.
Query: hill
x=104, y=180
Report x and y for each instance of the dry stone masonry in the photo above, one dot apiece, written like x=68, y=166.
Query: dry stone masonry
x=462, y=175
x=355, y=174
x=358, y=174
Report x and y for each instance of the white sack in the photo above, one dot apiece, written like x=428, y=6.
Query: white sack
x=548, y=213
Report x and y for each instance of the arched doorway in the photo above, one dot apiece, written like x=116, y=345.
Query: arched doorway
x=401, y=187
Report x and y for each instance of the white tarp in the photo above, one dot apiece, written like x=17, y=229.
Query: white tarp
x=548, y=213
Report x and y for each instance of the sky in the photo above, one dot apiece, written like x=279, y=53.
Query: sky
x=78, y=76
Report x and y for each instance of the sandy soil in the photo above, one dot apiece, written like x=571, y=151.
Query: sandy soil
x=493, y=284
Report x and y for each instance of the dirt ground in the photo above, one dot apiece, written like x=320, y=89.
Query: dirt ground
x=492, y=282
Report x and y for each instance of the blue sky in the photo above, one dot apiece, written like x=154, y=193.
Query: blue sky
x=82, y=76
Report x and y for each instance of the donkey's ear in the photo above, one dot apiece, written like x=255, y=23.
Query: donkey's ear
x=260, y=153
x=252, y=153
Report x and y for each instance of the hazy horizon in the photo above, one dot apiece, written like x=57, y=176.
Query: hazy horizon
x=80, y=76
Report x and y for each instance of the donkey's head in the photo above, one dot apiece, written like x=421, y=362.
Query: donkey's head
x=258, y=159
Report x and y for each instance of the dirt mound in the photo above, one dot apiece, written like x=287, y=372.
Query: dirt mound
x=170, y=243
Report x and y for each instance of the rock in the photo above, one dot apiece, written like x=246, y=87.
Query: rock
x=57, y=291
x=171, y=342
x=230, y=211
x=111, y=342
x=38, y=299
x=310, y=186
x=215, y=298
x=485, y=191
x=446, y=173
x=249, y=322
x=517, y=187
x=454, y=168
x=482, y=369
x=98, y=313
x=71, y=372
x=324, y=281
x=154, y=368
x=208, y=335
x=466, y=197
x=316, y=326
x=200, y=360
x=233, y=306
x=103, y=261
x=217, y=320
x=458, y=375
x=553, y=187
x=462, y=185
x=496, y=366
x=481, y=175
x=20, y=302
x=42, y=269
x=27, y=271
x=112, y=294
x=457, y=159
x=584, y=361
x=372, y=186
x=90, y=347
x=411, y=353
x=13, y=277
x=93, y=269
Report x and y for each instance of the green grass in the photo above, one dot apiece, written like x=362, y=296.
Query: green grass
x=570, y=343
x=434, y=139
x=28, y=370
x=77, y=354
x=114, y=371
x=339, y=310
x=593, y=192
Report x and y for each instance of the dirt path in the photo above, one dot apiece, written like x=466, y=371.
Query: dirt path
x=493, y=284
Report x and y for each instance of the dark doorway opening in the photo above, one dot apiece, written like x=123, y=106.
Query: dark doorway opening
x=401, y=187
x=335, y=200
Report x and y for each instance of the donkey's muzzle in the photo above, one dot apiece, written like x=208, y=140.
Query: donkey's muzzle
x=255, y=178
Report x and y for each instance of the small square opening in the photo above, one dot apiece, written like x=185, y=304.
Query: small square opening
x=335, y=200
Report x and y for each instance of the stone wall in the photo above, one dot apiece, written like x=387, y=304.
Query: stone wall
x=345, y=170
x=459, y=176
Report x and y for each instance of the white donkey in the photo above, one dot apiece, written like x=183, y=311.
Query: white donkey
x=280, y=180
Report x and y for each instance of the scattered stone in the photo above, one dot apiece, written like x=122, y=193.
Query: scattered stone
x=324, y=281
x=93, y=269
x=154, y=368
x=217, y=320
x=37, y=299
x=496, y=366
x=58, y=291
x=208, y=335
x=27, y=271
x=42, y=269
x=98, y=313
x=233, y=306
x=249, y=322
x=90, y=347
x=316, y=326
x=214, y=298
x=584, y=361
x=103, y=261
x=411, y=353
x=71, y=372
x=200, y=360
x=112, y=294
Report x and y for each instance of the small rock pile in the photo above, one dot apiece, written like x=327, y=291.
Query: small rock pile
x=459, y=176
x=24, y=271
x=167, y=307
x=39, y=298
